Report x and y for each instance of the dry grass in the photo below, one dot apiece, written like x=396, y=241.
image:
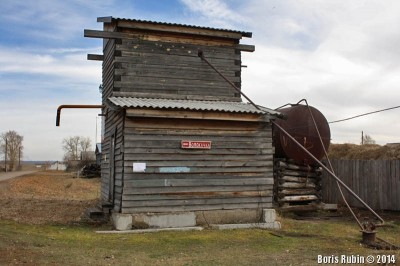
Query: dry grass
x=47, y=197
x=363, y=152
x=35, y=230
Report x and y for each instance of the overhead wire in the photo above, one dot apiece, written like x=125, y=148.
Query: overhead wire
x=369, y=113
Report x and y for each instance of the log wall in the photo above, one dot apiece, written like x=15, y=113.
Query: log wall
x=237, y=172
x=297, y=187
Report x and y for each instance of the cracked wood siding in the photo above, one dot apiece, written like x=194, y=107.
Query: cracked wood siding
x=237, y=172
x=114, y=122
x=173, y=70
x=163, y=64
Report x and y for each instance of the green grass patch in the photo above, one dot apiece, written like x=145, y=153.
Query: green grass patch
x=298, y=243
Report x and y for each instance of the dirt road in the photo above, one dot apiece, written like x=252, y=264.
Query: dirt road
x=8, y=175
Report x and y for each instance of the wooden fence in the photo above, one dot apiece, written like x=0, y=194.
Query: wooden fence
x=377, y=182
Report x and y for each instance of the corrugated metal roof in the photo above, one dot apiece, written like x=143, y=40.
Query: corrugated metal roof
x=229, y=107
x=110, y=19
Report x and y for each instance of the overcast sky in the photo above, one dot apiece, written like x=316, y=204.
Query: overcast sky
x=342, y=56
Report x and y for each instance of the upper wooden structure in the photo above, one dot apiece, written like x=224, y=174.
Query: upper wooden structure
x=157, y=94
x=160, y=60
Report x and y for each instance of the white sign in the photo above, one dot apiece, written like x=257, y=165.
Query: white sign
x=139, y=167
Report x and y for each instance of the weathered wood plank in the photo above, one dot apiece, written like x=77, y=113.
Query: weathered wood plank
x=198, y=182
x=374, y=181
x=193, y=202
x=171, y=152
x=195, y=115
x=95, y=57
x=156, y=190
x=145, y=157
x=196, y=195
x=226, y=206
x=297, y=179
x=142, y=46
x=172, y=135
x=298, y=198
x=297, y=185
x=210, y=163
x=261, y=169
x=215, y=145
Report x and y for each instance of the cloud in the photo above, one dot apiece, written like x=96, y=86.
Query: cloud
x=215, y=13
x=70, y=64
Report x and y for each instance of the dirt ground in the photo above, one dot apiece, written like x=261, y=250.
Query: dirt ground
x=47, y=197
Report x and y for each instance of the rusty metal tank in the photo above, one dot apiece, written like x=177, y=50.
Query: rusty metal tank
x=300, y=125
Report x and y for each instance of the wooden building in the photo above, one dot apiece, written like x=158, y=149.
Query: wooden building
x=177, y=136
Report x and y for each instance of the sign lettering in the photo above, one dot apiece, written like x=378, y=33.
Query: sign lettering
x=196, y=144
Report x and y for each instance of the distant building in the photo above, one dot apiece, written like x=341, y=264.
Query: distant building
x=58, y=166
x=393, y=145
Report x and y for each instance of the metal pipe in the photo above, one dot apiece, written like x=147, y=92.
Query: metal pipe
x=329, y=171
x=74, y=106
x=331, y=167
x=201, y=55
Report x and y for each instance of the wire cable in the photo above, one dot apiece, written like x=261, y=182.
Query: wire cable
x=369, y=113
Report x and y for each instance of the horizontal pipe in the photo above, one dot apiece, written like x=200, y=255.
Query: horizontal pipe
x=74, y=106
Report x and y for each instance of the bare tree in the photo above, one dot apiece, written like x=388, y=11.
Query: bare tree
x=71, y=147
x=367, y=139
x=84, y=144
x=13, y=149
x=76, y=148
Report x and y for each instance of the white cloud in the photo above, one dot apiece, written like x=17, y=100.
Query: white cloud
x=217, y=13
x=350, y=66
x=69, y=64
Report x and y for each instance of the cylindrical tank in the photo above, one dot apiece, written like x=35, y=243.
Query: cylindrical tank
x=299, y=124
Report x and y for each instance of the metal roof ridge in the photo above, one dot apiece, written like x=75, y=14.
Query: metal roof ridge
x=109, y=19
x=184, y=100
x=226, y=106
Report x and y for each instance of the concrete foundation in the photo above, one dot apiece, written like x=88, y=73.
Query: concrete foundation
x=218, y=219
x=122, y=222
x=168, y=220
x=240, y=216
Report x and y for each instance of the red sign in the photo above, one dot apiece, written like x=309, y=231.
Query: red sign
x=196, y=144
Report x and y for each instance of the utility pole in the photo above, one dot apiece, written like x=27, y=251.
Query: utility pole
x=5, y=157
x=362, y=137
x=19, y=158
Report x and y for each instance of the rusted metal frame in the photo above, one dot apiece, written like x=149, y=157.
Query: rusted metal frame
x=201, y=55
x=328, y=171
x=86, y=106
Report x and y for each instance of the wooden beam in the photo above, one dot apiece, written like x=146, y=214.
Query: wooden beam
x=106, y=34
x=105, y=19
x=245, y=47
x=194, y=115
x=95, y=57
